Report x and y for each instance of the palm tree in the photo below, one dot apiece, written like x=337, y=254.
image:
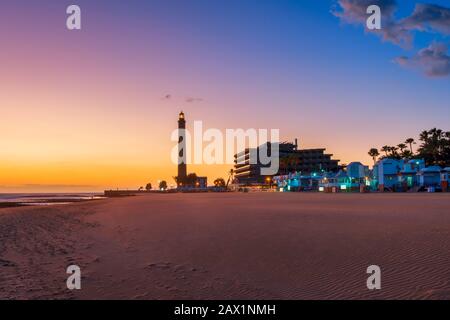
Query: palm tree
x=423, y=136
x=410, y=141
x=439, y=139
x=434, y=147
x=446, y=152
x=402, y=147
x=394, y=153
x=407, y=154
x=374, y=154
x=385, y=149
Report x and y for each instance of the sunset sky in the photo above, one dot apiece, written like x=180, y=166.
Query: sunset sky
x=93, y=109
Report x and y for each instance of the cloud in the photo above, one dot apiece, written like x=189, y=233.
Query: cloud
x=168, y=97
x=355, y=12
x=425, y=18
x=429, y=17
x=433, y=61
x=193, y=100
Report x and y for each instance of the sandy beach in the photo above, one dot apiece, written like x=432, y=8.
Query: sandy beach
x=230, y=246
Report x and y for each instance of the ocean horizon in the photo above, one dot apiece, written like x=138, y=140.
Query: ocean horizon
x=48, y=198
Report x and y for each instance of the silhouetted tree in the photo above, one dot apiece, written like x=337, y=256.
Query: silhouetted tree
x=410, y=142
x=407, y=154
x=402, y=147
x=374, y=154
x=163, y=185
x=385, y=149
x=394, y=153
x=435, y=147
x=148, y=187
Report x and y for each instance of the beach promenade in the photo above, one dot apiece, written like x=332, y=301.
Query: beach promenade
x=230, y=246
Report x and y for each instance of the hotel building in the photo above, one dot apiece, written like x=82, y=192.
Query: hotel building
x=291, y=159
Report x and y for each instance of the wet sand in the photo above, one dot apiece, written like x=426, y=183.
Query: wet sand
x=230, y=246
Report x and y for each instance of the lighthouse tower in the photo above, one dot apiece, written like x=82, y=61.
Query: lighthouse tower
x=182, y=171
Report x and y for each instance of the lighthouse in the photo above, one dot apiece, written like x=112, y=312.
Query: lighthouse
x=182, y=172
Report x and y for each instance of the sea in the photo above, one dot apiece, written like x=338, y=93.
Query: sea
x=46, y=199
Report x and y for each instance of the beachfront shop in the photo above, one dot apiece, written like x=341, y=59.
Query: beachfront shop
x=343, y=182
x=294, y=182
